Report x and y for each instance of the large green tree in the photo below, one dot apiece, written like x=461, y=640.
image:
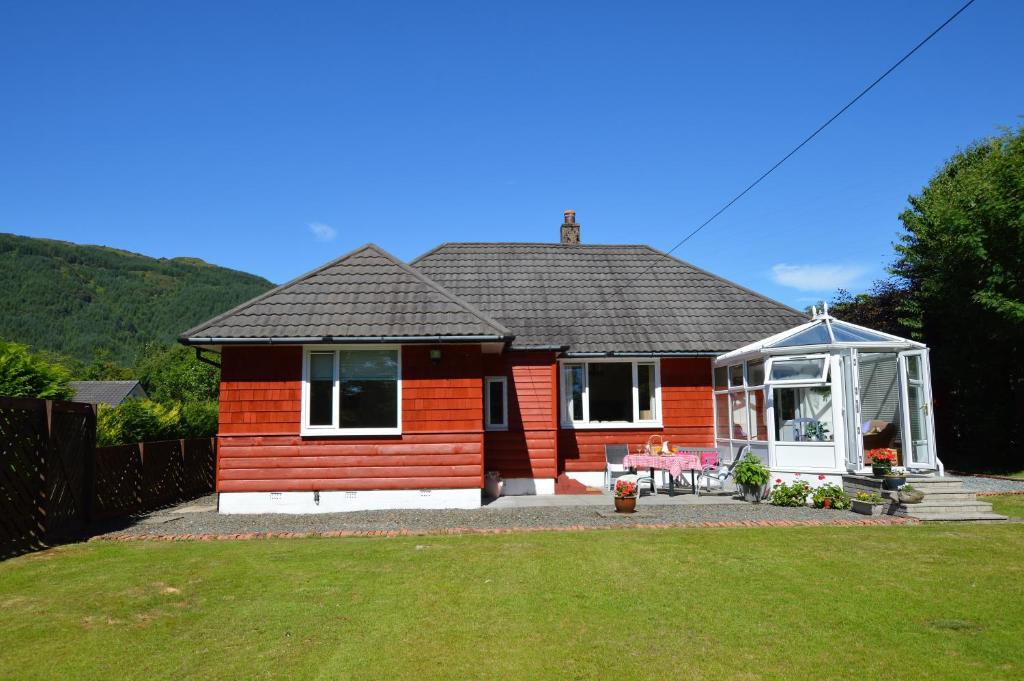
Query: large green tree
x=25, y=374
x=962, y=256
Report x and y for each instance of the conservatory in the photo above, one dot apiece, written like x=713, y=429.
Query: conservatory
x=815, y=398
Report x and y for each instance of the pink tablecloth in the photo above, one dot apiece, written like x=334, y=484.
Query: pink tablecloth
x=675, y=464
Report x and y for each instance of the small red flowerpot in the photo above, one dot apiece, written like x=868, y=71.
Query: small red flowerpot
x=826, y=503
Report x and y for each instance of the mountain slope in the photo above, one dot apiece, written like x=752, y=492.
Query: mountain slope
x=76, y=299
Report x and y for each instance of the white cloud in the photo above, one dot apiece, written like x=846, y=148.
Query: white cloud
x=816, y=277
x=322, y=232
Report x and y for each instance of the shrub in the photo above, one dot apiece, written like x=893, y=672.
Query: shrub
x=750, y=471
x=793, y=494
x=199, y=419
x=137, y=421
x=840, y=499
x=24, y=374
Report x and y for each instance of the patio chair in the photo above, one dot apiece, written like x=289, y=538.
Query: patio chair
x=715, y=472
x=614, y=469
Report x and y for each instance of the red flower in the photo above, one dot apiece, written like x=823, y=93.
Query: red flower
x=821, y=477
x=797, y=474
x=778, y=481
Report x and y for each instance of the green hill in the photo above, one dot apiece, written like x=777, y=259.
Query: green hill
x=75, y=299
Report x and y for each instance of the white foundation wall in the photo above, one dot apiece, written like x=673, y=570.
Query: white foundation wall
x=340, y=502
x=587, y=478
x=515, y=487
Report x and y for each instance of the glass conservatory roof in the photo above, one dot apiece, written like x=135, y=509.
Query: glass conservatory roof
x=824, y=330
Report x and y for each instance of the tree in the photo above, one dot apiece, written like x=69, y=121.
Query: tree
x=24, y=374
x=173, y=374
x=962, y=257
x=882, y=308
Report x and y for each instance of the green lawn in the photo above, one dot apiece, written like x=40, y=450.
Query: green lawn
x=1011, y=505
x=938, y=602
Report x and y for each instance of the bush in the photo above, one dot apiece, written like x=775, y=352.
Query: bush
x=24, y=374
x=146, y=420
x=750, y=471
x=840, y=499
x=199, y=419
x=793, y=494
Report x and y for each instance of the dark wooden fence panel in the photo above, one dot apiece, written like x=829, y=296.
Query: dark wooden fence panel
x=54, y=480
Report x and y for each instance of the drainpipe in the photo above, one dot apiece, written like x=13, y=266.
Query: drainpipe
x=206, y=360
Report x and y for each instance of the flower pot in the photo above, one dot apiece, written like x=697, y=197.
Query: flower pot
x=867, y=508
x=880, y=471
x=911, y=497
x=893, y=482
x=625, y=504
x=826, y=503
x=753, y=493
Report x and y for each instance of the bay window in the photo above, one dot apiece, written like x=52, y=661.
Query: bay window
x=610, y=393
x=351, y=391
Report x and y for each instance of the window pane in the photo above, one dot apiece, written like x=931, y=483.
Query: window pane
x=574, y=390
x=758, y=426
x=645, y=391
x=803, y=414
x=720, y=378
x=368, y=381
x=722, y=416
x=755, y=373
x=798, y=369
x=495, y=403
x=321, y=388
x=816, y=335
x=736, y=376
x=610, y=391
x=739, y=419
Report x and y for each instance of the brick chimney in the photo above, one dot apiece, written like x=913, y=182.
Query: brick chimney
x=570, y=230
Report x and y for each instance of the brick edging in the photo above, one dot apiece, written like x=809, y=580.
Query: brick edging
x=999, y=494
x=500, y=530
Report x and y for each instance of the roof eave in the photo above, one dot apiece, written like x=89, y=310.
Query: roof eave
x=342, y=340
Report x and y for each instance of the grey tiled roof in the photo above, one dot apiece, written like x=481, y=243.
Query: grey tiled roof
x=367, y=293
x=605, y=298
x=104, y=392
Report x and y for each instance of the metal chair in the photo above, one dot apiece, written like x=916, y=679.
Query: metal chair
x=615, y=469
x=717, y=473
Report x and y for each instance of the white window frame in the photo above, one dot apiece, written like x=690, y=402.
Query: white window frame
x=770, y=365
x=565, y=412
x=333, y=430
x=488, y=381
x=747, y=389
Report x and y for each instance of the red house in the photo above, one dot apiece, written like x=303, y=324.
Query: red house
x=371, y=383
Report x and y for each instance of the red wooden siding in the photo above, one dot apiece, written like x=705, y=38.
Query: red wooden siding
x=527, y=449
x=687, y=418
x=261, y=449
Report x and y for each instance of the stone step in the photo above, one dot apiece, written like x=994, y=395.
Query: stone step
x=949, y=507
x=950, y=496
x=960, y=517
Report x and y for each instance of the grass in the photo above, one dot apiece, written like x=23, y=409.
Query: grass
x=1011, y=505
x=937, y=601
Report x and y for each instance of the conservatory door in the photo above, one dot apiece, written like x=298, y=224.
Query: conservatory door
x=918, y=423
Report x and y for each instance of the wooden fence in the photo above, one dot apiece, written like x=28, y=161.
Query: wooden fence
x=54, y=480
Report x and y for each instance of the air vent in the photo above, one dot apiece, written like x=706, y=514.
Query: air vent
x=424, y=492
x=275, y=496
x=350, y=495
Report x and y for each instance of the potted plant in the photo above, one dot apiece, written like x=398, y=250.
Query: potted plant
x=830, y=495
x=908, y=495
x=793, y=494
x=625, y=496
x=752, y=476
x=894, y=479
x=882, y=460
x=816, y=430
x=868, y=504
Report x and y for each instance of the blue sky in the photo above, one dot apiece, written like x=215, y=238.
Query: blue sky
x=271, y=137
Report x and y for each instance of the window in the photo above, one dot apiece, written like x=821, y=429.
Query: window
x=351, y=391
x=608, y=393
x=739, y=403
x=803, y=414
x=496, y=403
x=812, y=369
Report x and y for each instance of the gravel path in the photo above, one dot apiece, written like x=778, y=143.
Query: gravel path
x=973, y=483
x=175, y=522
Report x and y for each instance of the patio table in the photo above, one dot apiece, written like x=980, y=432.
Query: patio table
x=675, y=464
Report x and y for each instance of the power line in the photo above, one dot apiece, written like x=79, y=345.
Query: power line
x=814, y=134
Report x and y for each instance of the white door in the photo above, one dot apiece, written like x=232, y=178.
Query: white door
x=851, y=411
x=918, y=430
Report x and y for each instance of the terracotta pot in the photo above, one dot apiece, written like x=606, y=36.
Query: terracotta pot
x=826, y=503
x=625, y=504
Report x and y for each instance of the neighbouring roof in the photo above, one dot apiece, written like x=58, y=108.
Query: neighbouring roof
x=105, y=392
x=366, y=294
x=601, y=298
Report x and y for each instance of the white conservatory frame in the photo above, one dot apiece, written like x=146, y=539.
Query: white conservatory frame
x=839, y=343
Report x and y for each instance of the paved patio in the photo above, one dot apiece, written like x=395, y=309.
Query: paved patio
x=605, y=500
